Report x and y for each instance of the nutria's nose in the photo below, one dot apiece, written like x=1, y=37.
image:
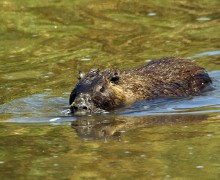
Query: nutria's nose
x=79, y=107
x=82, y=103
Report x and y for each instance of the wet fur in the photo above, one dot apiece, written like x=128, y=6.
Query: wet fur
x=160, y=78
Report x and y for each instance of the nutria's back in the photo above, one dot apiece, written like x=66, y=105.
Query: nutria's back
x=165, y=77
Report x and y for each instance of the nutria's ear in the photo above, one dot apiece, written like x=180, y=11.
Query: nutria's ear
x=81, y=75
x=114, y=77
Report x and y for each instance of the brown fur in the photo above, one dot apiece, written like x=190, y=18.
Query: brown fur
x=160, y=78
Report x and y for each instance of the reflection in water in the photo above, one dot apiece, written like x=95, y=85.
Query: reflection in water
x=43, y=45
x=97, y=128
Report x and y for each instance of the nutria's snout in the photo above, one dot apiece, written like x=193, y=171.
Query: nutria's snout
x=82, y=104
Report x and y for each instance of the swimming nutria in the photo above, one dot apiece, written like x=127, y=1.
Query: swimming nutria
x=161, y=78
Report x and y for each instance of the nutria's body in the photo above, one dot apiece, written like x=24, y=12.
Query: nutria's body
x=160, y=78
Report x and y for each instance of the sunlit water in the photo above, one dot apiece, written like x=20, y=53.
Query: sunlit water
x=44, y=44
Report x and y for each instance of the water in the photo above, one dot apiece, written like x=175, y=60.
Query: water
x=44, y=45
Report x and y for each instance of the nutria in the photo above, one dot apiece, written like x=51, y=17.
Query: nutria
x=103, y=90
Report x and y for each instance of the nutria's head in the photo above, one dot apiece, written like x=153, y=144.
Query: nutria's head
x=96, y=91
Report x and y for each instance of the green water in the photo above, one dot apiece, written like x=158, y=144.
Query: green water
x=43, y=45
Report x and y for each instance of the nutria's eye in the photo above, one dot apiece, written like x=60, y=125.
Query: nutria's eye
x=102, y=89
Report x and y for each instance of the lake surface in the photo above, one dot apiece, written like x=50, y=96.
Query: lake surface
x=43, y=45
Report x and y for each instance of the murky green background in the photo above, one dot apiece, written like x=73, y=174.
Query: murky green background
x=43, y=44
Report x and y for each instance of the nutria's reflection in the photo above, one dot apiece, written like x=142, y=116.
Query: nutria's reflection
x=107, y=128
x=91, y=129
